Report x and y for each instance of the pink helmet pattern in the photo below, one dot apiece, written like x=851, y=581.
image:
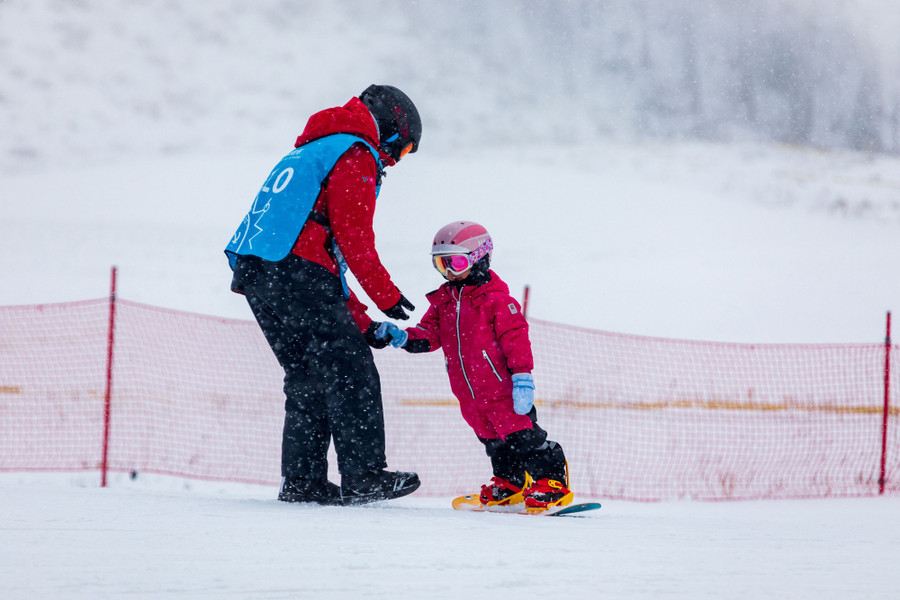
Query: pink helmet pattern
x=462, y=237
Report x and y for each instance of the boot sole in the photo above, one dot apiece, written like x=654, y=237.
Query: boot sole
x=300, y=499
x=357, y=499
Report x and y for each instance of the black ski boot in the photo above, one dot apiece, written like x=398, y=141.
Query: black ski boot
x=318, y=491
x=377, y=485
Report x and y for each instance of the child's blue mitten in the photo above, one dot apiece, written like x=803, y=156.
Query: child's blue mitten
x=393, y=334
x=523, y=393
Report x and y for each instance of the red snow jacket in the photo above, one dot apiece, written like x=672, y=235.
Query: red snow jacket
x=485, y=340
x=347, y=200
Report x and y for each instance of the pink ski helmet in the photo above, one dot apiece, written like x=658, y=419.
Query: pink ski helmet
x=462, y=237
x=459, y=245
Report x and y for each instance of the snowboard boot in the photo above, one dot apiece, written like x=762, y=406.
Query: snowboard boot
x=500, y=492
x=377, y=485
x=546, y=493
x=318, y=491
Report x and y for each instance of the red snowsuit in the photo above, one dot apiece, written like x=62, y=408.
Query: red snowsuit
x=347, y=200
x=485, y=340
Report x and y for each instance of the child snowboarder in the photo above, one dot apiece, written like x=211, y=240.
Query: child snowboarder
x=488, y=353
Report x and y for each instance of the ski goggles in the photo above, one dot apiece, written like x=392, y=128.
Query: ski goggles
x=390, y=145
x=460, y=263
x=454, y=263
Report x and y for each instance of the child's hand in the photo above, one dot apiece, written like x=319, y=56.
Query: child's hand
x=523, y=393
x=392, y=334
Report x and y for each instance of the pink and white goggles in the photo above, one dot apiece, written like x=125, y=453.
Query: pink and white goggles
x=460, y=263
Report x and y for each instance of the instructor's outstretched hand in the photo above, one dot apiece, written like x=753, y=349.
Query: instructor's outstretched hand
x=397, y=312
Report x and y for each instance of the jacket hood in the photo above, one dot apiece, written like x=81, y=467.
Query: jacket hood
x=353, y=118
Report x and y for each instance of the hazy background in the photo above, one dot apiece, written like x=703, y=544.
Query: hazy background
x=703, y=170
x=95, y=80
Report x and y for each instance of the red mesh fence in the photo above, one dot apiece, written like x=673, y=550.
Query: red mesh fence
x=640, y=418
x=52, y=385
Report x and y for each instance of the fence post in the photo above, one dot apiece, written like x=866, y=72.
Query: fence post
x=525, y=302
x=109, y=362
x=887, y=404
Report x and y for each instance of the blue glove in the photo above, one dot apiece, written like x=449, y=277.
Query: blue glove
x=393, y=334
x=523, y=393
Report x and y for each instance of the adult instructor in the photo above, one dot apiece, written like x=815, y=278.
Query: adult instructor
x=311, y=220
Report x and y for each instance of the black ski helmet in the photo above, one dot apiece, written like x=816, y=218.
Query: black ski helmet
x=398, y=120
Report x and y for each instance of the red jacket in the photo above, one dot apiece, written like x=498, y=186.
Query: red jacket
x=485, y=340
x=347, y=200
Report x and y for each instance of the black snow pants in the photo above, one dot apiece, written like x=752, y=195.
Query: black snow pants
x=331, y=385
x=527, y=450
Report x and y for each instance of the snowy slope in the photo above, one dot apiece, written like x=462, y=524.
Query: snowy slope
x=137, y=134
x=698, y=241
x=140, y=542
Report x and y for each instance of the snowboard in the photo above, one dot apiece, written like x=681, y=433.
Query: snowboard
x=473, y=503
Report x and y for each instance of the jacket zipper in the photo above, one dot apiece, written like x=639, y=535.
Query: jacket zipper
x=488, y=359
x=462, y=365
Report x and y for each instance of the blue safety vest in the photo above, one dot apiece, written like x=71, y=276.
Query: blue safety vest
x=282, y=206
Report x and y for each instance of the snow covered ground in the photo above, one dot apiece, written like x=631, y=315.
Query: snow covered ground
x=741, y=243
x=156, y=541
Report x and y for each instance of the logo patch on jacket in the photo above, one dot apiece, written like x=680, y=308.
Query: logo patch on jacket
x=512, y=308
